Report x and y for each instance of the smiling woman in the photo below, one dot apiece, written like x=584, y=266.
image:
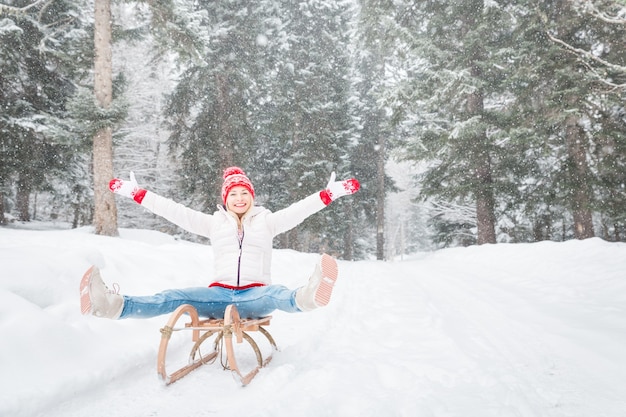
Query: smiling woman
x=241, y=236
x=239, y=200
x=237, y=191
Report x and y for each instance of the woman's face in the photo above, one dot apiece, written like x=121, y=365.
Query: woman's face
x=239, y=200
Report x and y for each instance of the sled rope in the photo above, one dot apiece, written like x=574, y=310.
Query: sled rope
x=166, y=331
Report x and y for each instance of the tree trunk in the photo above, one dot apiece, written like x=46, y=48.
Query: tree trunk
x=348, y=238
x=3, y=220
x=479, y=152
x=380, y=199
x=485, y=216
x=105, y=215
x=23, y=198
x=579, y=178
x=224, y=106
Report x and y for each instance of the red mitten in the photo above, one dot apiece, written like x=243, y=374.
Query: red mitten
x=336, y=189
x=128, y=188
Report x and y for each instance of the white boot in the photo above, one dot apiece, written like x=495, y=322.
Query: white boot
x=318, y=290
x=97, y=299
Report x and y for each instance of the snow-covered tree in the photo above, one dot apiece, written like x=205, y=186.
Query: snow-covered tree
x=370, y=59
x=306, y=117
x=37, y=72
x=508, y=116
x=565, y=117
x=271, y=95
x=455, y=56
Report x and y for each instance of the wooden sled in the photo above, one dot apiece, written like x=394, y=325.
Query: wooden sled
x=226, y=333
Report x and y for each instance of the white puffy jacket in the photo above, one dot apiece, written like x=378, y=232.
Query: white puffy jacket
x=237, y=265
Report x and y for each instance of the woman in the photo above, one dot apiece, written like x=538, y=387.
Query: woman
x=241, y=235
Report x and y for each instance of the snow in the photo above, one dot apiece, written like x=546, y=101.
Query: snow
x=494, y=330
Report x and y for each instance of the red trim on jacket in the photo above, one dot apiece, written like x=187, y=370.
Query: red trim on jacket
x=232, y=287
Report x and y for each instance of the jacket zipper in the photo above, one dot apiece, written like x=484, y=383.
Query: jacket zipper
x=240, y=238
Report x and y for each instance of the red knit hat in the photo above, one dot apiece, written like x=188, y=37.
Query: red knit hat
x=233, y=177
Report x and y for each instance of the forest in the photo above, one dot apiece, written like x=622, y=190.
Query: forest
x=466, y=122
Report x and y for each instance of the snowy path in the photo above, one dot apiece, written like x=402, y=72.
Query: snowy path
x=502, y=330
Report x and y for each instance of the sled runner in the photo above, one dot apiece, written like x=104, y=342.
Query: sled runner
x=227, y=337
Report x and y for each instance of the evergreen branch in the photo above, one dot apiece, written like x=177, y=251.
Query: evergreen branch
x=590, y=56
x=54, y=29
x=43, y=9
x=453, y=211
x=603, y=79
x=90, y=117
x=594, y=11
x=587, y=55
x=12, y=9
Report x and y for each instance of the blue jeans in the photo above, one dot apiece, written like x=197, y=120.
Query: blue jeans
x=212, y=301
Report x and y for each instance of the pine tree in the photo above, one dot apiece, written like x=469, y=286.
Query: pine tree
x=370, y=154
x=456, y=54
x=271, y=96
x=146, y=74
x=36, y=80
x=209, y=110
x=312, y=120
x=604, y=62
x=172, y=28
x=564, y=107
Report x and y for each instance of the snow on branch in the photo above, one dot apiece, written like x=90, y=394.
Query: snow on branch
x=5, y=8
x=589, y=55
x=617, y=19
x=451, y=211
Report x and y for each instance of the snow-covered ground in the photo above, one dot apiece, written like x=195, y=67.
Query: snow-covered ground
x=496, y=330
